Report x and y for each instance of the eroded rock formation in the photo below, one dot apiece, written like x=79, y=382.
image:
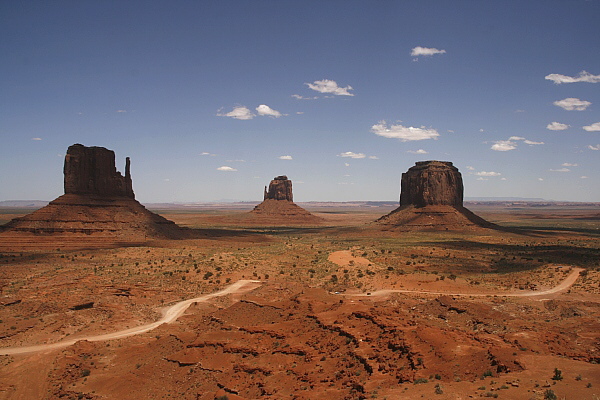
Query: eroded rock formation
x=280, y=188
x=98, y=207
x=430, y=183
x=278, y=206
x=92, y=171
x=431, y=197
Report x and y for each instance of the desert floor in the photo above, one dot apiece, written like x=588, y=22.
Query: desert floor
x=338, y=310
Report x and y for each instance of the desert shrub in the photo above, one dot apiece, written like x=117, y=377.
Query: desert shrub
x=550, y=395
x=420, y=380
x=557, y=375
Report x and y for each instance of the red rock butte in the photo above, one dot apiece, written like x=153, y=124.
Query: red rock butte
x=431, y=198
x=278, y=205
x=98, y=207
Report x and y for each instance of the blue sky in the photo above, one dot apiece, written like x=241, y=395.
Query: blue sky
x=212, y=99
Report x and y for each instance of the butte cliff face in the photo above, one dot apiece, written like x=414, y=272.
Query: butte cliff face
x=98, y=207
x=278, y=206
x=431, y=198
x=280, y=188
x=92, y=171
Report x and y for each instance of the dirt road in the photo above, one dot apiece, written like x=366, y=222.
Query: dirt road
x=561, y=287
x=170, y=314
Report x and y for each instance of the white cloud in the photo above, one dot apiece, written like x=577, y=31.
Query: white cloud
x=329, y=86
x=373, y=157
x=595, y=127
x=206, y=153
x=264, y=109
x=572, y=104
x=503, y=145
x=582, y=77
x=557, y=126
x=491, y=173
x=285, y=157
x=420, y=151
x=238, y=112
x=596, y=147
x=299, y=112
x=482, y=179
x=481, y=130
x=540, y=179
x=403, y=133
x=532, y=142
x=425, y=51
x=470, y=168
x=516, y=138
x=36, y=138
x=502, y=179
x=346, y=164
x=121, y=111
x=569, y=165
x=583, y=177
x=226, y=168
x=351, y=154
x=297, y=96
x=560, y=170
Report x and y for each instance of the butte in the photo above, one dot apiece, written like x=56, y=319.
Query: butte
x=98, y=208
x=431, y=198
x=278, y=205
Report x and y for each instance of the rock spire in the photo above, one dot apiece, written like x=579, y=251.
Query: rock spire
x=280, y=188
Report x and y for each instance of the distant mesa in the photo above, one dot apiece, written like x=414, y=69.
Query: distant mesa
x=278, y=205
x=98, y=205
x=431, y=198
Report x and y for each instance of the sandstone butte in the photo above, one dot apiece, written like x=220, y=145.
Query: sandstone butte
x=98, y=206
x=278, y=204
x=431, y=198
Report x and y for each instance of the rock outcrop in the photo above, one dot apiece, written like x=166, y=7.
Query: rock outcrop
x=92, y=171
x=431, y=198
x=98, y=207
x=278, y=206
x=280, y=188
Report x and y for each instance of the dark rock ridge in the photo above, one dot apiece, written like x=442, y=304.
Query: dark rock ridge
x=98, y=206
x=431, y=198
x=280, y=188
x=92, y=171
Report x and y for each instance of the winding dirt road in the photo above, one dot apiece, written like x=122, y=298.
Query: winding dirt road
x=170, y=314
x=561, y=287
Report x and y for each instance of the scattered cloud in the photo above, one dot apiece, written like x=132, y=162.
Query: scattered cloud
x=403, y=133
x=36, y=138
x=583, y=177
x=297, y=96
x=595, y=127
x=596, y=147
x=485, y=173
x=519, y=111
x=264, y=109
x=346, y=164
x=540, y=179
x=470, y=168
x=502, y=179
x=557, y=126
x=206, y=153
x=226, y=169
x=121, y=111
x=482, y=179
x=167, y=180
x=569, y=165
x=504, y=145
x=583, y=76
x=238, y=112
x=560, y=170
x=481, y=130
x=329, y=86
x=299, y=112
x=352, y=154
x=285, y=158
x=420, y=151
x=572, y=104
x=425, y=51
x=373, y=158
x=516, y=138
x=531, y=142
